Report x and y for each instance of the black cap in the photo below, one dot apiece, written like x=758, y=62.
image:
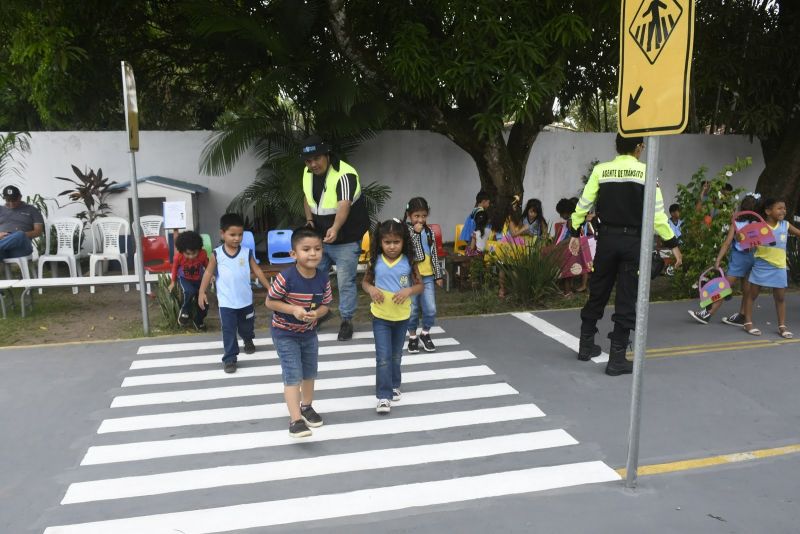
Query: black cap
x=313, y=146
x=11, y=191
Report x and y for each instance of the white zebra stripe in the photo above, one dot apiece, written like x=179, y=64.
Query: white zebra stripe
x=275, y=370
x=193, y=395
x=267, y=411
x=359, y=502
x=259, y=342
x=146, y=450
x=552, y=331
x=324, y=350
x=215, y=477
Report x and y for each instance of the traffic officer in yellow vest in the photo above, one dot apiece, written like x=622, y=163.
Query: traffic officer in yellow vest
x=335, y=207
x=616, y=190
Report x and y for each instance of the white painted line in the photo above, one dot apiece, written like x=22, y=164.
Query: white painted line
x=161, y=483
x=193, y=395
x=267, y=411
x=275, y=370
x=552, y=331
x=259, y=342
x=145, y=450
x=324, y=350
x=360, y=502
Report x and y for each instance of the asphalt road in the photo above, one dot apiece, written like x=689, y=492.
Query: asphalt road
x=501, y=429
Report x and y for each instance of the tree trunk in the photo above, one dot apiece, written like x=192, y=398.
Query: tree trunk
x=781, y=176
x=500, y=176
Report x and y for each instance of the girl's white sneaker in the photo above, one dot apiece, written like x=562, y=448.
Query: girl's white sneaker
x=384, y=406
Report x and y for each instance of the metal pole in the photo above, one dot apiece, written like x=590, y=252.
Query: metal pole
x=642, y=305
x=137, y=239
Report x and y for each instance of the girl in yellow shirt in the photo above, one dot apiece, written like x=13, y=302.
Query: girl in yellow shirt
x=769, y=268
x=390, y=281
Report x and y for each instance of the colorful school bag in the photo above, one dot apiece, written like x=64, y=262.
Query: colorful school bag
x=714, y=289
x=754, y=233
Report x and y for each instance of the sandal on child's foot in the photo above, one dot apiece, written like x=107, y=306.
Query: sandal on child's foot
x=751, y=331
x=784, y=332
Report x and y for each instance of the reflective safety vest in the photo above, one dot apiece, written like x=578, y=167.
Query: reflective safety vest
x=329, y=202
x=616, y=189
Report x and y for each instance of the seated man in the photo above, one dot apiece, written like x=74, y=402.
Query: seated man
x=19, y=223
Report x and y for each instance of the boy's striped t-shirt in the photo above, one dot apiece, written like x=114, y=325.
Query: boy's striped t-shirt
x=293, y=288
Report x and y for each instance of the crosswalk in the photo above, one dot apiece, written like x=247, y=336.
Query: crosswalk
x=187, y=448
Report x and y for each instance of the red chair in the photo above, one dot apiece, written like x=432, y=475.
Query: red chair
x=155, y=254
x=437, y=235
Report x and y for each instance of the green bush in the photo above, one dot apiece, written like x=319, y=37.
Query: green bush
x=168, y=302
x=793, y=258
x=704, y=226
x=530, y=271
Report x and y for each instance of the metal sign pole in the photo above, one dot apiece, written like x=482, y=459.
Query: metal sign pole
x=132, y=127
x=137, y=239
x=642, y=309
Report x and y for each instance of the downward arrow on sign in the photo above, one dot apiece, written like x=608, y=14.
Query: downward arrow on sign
x=633, y=102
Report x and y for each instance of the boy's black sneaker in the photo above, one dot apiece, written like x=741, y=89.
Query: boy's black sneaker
x=413, y=345
x=346, y=330
x=183, y=319
x=427, y=343
x=299, y=429
x=737, y=319
x=230, y=367
x=310, y=416
x=701, y=316
x=249, y=347
x=200, y=327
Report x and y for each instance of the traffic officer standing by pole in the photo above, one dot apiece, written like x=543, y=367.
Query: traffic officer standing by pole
x=335, y=207
x=616, y=190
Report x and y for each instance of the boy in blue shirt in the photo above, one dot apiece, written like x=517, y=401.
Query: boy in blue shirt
x=299, y=297
x=231, y=265
x=675, y=221
x=482, y=202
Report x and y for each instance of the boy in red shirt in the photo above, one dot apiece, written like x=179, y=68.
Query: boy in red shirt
x=188, y=266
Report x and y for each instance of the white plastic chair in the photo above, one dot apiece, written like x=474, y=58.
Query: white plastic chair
x=67, y=247
x=21, y=262
x=107, y=230
x=151, y=225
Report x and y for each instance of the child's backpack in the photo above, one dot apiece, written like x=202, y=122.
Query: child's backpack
x=753, y=234
x=714, y=289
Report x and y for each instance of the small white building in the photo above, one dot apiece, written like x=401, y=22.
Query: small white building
x=153, y=192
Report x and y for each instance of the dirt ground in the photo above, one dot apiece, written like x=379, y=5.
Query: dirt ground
x=110, y=313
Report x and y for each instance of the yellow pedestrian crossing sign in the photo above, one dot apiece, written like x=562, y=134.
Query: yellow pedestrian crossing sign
x=656, y=39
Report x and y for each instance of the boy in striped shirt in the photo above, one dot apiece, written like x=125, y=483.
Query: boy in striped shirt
x=299, y=297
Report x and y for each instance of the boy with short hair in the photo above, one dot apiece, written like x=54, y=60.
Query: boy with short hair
x=232, y=264
x=299, y=297
x=188, y=267
x=675, y=221
x=482, y=202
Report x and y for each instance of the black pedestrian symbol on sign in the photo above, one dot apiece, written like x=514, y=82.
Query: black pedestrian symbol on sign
x=653, y=24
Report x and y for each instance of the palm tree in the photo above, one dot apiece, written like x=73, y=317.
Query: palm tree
x=12, y=145
x=295, y=85
x=274, y=133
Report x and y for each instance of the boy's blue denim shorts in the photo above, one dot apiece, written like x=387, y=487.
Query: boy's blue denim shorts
x=298, y=355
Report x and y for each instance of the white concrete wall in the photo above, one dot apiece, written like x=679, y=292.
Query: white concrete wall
x=411, y=163
x=170, y=154
x=428, y=164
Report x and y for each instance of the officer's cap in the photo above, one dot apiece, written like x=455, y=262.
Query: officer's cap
x=313, y=146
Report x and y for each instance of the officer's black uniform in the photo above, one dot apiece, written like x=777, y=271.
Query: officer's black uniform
x=616, y=189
